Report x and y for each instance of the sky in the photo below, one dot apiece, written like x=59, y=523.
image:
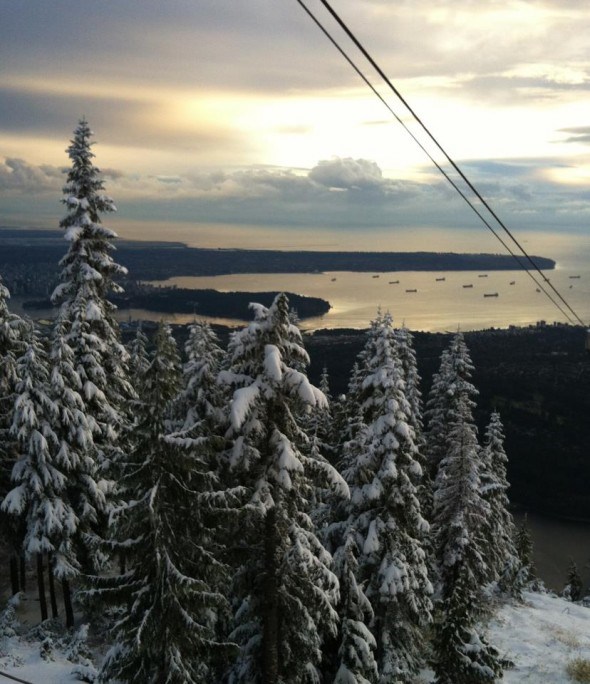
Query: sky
x=234, y=123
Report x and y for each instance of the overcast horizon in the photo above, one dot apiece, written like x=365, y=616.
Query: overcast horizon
x=239, y=125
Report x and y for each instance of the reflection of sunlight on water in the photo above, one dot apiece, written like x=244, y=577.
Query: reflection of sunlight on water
x=435, y=306
x=355, y=297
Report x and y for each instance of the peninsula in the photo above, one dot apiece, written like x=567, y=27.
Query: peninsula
x=42, y=249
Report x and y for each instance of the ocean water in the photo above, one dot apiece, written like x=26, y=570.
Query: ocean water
x=436, y=305
x=429, y=301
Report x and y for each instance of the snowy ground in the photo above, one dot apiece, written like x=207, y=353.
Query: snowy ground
x=35, y=669
x=541, y=637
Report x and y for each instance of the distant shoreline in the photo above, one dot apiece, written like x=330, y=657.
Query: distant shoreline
x=161, y=261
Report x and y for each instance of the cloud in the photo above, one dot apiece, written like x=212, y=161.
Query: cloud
x=340, y=192
x=347, y=174
x=579, y=134
x=22, y=177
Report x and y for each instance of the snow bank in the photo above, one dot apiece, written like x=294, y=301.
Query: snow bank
x=541, y=638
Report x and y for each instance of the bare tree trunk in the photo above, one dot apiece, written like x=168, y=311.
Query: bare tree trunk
x=270, y=617
x=65, y=585
x=41, y=586
x=14, y=584
x=52, y=597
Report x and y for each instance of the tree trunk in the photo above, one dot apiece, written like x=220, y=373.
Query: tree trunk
x=52, y=597
x=270, y=617
x=65, y=585
x=41, y=586
x=23, y=573
x=14, y=584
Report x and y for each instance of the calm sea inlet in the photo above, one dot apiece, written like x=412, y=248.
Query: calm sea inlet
x=422, y=300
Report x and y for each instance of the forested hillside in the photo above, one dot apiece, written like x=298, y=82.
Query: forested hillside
x=536, y=377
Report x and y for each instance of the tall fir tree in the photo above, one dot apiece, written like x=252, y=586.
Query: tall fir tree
x=501, y=555
x=284, y=583
x=39, y=494
x=523, y=542
x=462, y=656
x=574, y=588
x=197, y=408
x=384, y=476
x=411, y=376
x=451, y=385
x=138, y=359
x=317, y=424
x=356, y=662
x=86, y=489
x=13, y=330
x=407, y=357
x=88, y=273
x=167, y=633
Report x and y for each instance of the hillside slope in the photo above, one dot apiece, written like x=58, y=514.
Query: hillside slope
x=541, y=636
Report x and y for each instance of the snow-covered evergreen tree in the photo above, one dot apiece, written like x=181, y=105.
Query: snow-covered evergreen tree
x=138, y=359
x=407, y=357
x=501, y=553
x=39, y=494
x=167, y=631
x=12, y=332
x=198, y=405
x=87, y=278
x=346, y=414
x=317, y=424
x=318, y=421
x=574, y=588
x=450, y=385
x=86, y=490
x=356, y=652
x=384, y=475
x=462, y=656
x=523, y=542
x=284, y=582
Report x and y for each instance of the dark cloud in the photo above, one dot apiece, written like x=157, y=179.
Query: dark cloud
x=578, y=134
x=123, y=121
x=22, y=177
x=202, y=44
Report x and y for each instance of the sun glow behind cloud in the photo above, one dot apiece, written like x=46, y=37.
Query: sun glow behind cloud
x=219, y=112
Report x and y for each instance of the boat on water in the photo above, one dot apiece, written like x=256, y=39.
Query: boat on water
x=394, y=282
x=572, y=277
x=483, y=275
x=467, y=285
x=491, y=294
x=438, y=280
x=333, y=279
x=375, y=276
x=512, y=282
x=411, y=290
